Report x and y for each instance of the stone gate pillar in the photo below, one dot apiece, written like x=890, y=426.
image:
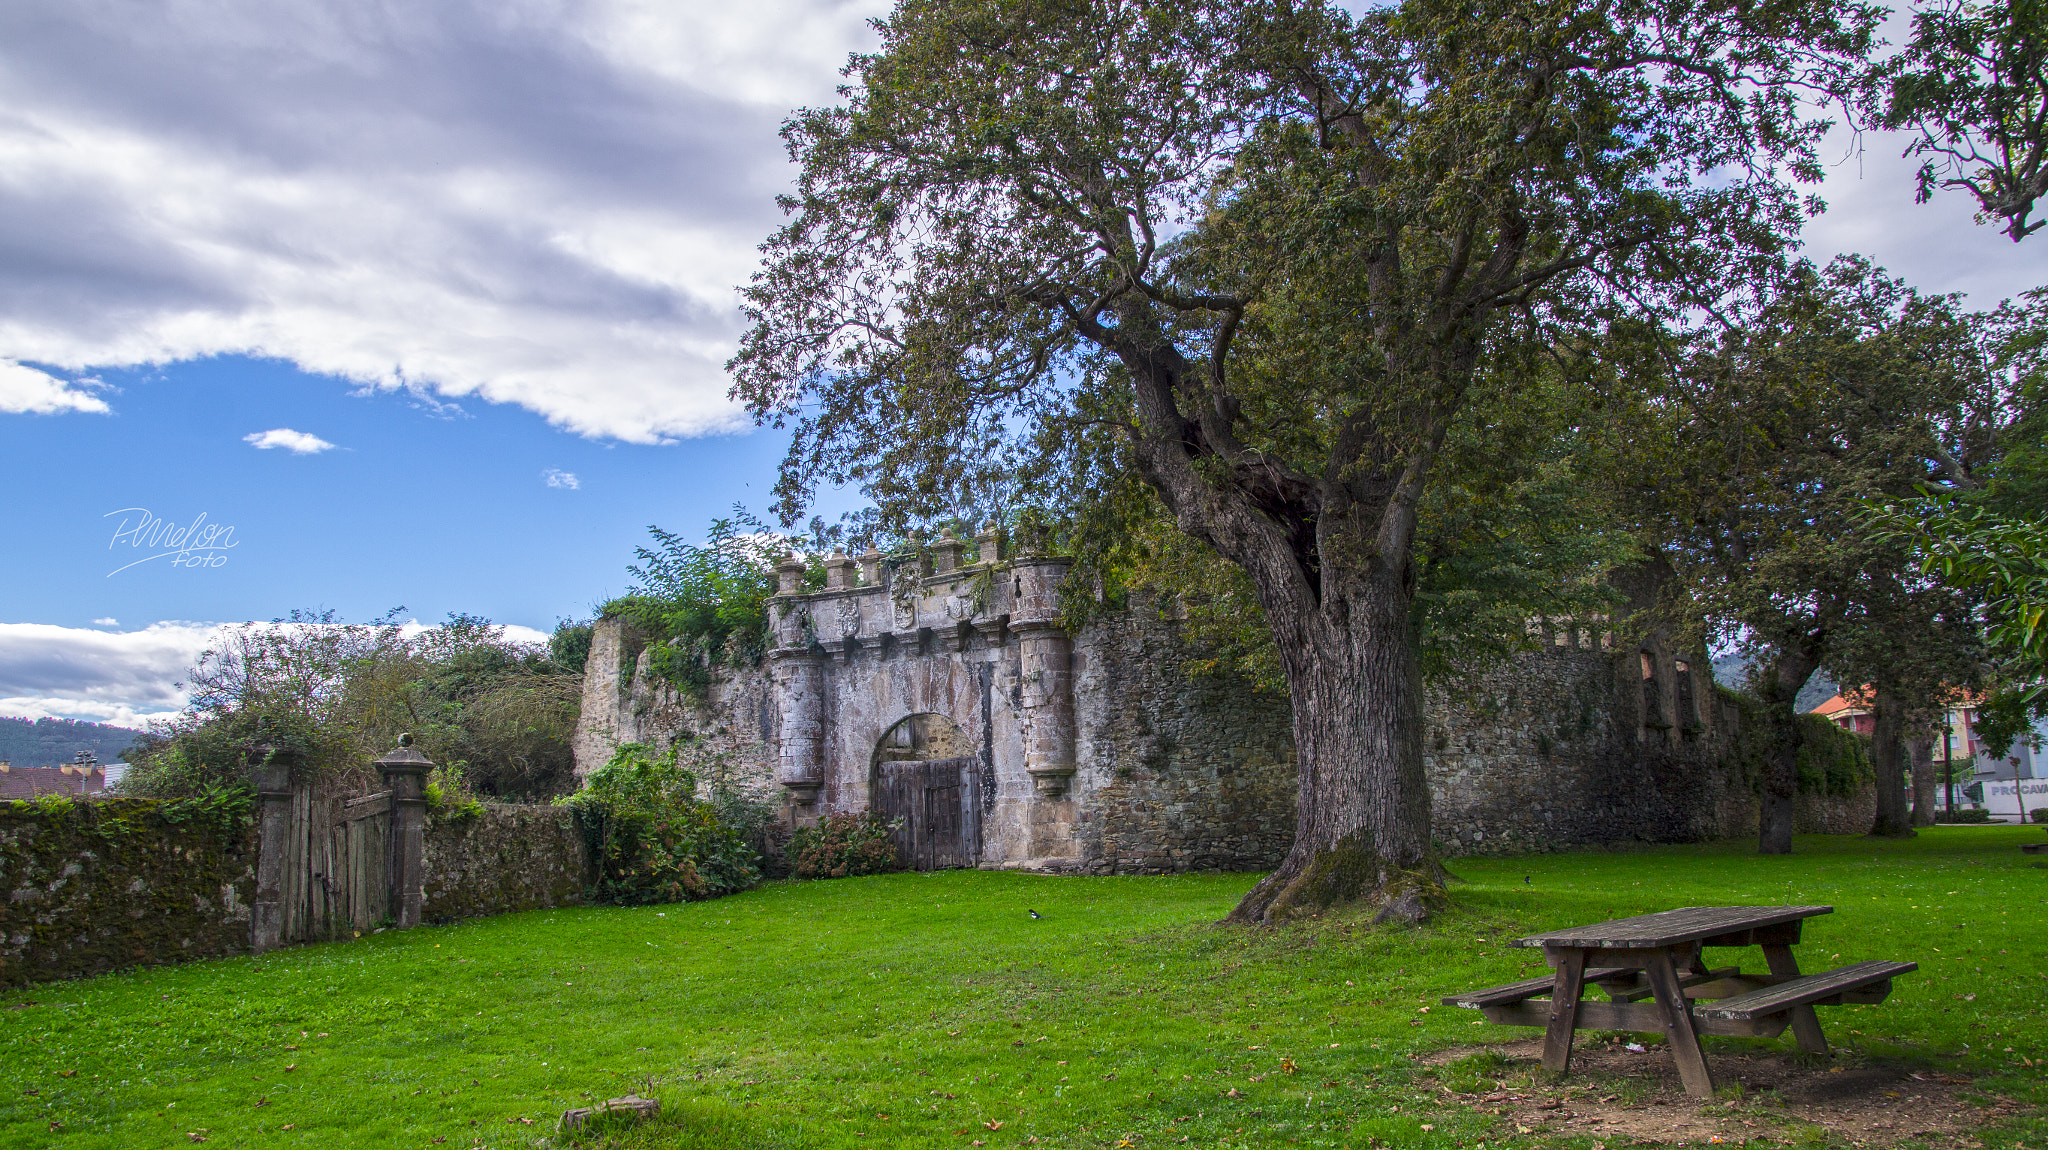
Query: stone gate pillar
x=405, y=776
x=272, y=775
x=1046, y=660
x=797, y=669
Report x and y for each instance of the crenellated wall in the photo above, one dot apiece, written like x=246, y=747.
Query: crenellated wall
x=1101, y=753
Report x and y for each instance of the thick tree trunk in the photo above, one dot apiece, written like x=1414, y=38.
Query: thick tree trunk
x=1924, y=782
x=1780, y=685
x=1888, y=758
x=1362, y=822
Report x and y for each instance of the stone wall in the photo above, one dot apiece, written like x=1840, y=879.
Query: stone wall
x=506, y=859
x=94, y=886
x=1581, y=742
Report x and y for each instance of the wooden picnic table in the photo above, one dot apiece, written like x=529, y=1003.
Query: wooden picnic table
x=1658, y=956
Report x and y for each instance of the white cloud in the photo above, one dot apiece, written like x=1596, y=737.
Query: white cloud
x=296, y=442
x=26, y=391
x=109, y=621
x=546, y=203
x=120, y=677
x=555, y=478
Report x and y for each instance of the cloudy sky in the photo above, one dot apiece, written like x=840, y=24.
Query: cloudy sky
x=365, y=305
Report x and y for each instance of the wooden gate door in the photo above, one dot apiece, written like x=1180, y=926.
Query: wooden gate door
x=337, y=867
x=939, y=803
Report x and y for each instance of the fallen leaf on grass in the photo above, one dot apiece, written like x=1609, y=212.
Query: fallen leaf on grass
x=288, y=1126
x=263, y=1102
x=292, y=1067
x=1427, y=1126
x=993, y=1125
x=1233, y=1092
x=1287, y=1066
x=67, y=1074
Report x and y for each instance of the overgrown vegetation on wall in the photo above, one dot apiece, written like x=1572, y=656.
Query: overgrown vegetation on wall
x=497, y=715
x=1832, y=761
x=703, y=606
x=99, y=885
x=655, y=840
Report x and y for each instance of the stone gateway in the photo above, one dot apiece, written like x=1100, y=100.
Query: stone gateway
x=946, y=694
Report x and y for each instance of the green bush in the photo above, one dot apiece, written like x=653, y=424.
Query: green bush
x=1832, y=761
x=2039, y=815
x=843, y=845
x=654, y=840
x=1963, y=815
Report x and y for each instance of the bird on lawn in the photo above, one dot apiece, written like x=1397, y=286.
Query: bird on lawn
x=1525, y=878
x=1034, y=914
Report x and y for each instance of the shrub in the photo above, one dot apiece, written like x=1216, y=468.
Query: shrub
x=654, y=840
x=2039, y=815
x=843, y=845
x=1964, y=815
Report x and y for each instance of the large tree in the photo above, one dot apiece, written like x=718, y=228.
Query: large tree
x=1971, y=84
x=1271, y=248
x=1826, y=391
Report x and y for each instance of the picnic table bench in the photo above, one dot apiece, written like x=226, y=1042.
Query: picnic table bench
x=1658, y=957
x=2034, y=848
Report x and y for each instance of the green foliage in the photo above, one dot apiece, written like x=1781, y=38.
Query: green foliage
x=654, y=839
x=569, y=646
x=1963, y=815
x=702, y=606
x=843, y=845
x=2039, y=814
x=1832, y=761
x=223, y=811
x=330, y=696
x=1972, y=82
x=54, y=742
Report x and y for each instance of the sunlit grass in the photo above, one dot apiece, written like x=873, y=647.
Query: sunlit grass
x=920, y=1010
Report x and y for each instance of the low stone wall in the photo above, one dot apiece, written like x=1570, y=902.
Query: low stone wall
x=508, y=858
x=91, y=887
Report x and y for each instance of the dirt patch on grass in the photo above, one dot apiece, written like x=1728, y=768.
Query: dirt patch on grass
x=1624, y=1096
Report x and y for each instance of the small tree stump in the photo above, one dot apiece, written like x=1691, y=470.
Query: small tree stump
x=641, y=1109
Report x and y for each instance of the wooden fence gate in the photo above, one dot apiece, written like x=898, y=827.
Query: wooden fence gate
x=939, y=803
x=336, y=872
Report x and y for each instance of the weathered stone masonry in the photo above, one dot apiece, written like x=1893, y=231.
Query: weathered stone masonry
x=1102, y=754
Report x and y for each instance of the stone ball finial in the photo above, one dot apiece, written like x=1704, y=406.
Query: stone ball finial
x=950, y=533
x=405, y=740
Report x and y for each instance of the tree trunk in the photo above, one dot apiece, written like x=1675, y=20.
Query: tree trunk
x=1780, y=686
x=1362, y=811
x=1924, y=782
x=1888, y=758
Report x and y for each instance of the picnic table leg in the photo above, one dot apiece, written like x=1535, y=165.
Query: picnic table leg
x=1684, y=1040
x=1805, y=1023
x=1564, y=1010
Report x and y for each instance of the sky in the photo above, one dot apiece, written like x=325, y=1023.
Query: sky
x=322, y=305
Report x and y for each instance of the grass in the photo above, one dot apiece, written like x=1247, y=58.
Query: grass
x=924, y=1010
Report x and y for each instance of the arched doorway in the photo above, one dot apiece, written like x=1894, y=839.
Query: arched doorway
x=926, y=780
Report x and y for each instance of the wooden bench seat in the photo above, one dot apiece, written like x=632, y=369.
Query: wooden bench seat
x=1861, y=982
x=2034, y=848
x=1515, y=992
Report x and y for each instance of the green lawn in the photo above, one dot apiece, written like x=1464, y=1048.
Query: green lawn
x=919, y=1010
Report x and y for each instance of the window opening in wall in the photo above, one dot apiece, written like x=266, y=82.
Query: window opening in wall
x=1653, y=697
x=1688, y=712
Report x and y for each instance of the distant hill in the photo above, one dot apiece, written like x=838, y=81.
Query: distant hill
x=53, y=742
x=1729, y=671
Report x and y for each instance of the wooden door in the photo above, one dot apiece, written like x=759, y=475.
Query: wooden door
x=936, y=805
x=337, y=866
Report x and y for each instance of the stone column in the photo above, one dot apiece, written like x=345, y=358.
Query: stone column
x=1046, y=661
x=946, y=552
x=799, y=678
x=405, y=776
x=871, y=567
x=839, y=572
x=271, y=773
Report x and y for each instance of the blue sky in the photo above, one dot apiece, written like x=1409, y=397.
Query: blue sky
x=436, y=507
x=431, y=255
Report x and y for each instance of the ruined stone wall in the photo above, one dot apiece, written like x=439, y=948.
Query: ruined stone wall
x=509, y=858
x=1175, y=771
x=88, y=887
x=1579, y=743
x=624, y=702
